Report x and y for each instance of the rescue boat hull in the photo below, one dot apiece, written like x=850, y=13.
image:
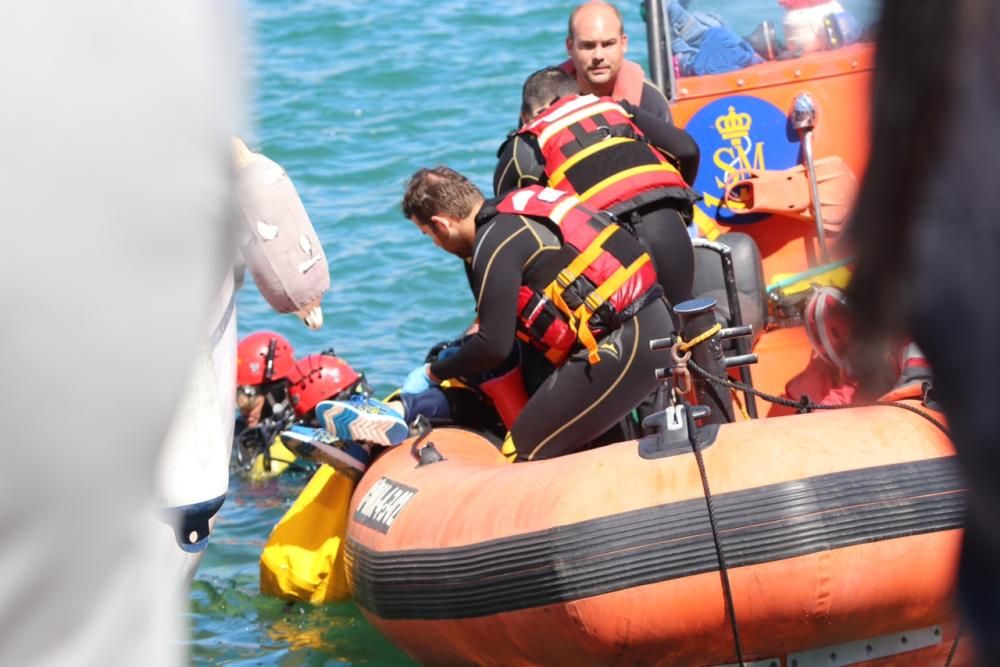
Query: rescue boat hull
x=835, y=528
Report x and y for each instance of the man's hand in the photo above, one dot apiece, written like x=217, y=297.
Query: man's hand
x=418, y=380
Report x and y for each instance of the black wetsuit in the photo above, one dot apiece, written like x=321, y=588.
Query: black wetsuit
x=578, y=401
x=654, y=102
x=660, y=225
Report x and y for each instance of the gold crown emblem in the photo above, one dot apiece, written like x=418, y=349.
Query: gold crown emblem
x=734, y=125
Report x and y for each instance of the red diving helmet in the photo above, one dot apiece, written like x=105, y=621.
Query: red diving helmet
x=319, y=377
x=828, y=325
x=262, y=357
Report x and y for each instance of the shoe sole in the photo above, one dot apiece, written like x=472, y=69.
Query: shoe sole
x=349, y=423
x=341, y=461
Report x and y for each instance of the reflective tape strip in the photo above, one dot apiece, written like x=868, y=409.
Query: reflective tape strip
x=560, y=210
x=575, y=117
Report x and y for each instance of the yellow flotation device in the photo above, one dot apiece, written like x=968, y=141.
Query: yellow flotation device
x=302, y=559
x=281, y=458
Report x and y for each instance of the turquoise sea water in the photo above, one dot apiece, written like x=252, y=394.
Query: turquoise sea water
x=351, y=98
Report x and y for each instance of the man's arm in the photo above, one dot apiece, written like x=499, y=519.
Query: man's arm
x=520, y=165
x=668, y=139
x=503, y=246
x=654, y=102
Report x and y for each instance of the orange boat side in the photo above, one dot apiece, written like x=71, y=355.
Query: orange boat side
x=837, y=526
x=739, y=120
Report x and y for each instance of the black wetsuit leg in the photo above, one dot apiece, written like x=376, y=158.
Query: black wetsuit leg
x=579, y=401
x=664, y=235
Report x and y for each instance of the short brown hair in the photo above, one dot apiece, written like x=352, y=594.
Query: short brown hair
x=544, y=87
x=576, y=10
x=439, y=191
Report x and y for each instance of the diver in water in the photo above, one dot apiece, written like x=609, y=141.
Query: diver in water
x=313, y=381
x=329, y=401
x=264, y=360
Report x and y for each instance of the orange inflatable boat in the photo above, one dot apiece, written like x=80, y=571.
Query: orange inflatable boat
x=828, y=538
x=839, y=533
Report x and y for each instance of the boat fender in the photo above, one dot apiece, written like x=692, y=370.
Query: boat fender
x=278, y=240
x=191, y=523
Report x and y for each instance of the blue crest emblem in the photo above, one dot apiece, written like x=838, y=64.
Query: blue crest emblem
x=737, y=134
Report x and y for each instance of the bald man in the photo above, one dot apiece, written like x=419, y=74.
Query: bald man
x=596, y=43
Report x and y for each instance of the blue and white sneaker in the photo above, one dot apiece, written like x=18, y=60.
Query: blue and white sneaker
x=349, y=458
x=363, y=419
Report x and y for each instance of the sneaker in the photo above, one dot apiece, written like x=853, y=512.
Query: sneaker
x=363, y=419
x=316, y=444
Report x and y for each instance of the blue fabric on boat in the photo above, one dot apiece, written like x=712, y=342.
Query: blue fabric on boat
x=722, y=50
x=703, y=43
x=432, y=403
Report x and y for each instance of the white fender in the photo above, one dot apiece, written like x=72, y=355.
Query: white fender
x=278, y=241
x=193, y=471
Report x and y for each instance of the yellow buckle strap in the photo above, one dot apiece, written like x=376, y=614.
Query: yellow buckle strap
x=586, y=336
x=594, y=301
x=600, y=296
x=555, y=295
x=580, y=263
x=554, y=291
x=618, y=278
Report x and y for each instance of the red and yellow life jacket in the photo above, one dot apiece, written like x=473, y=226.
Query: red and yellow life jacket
x=593, y=150
x=599, y=278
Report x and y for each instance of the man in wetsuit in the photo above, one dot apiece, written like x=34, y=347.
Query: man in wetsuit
x=614, y=156
x=596, y=43
x=533, y=256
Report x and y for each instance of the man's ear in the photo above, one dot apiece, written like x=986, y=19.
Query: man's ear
x=440, y=224
x=624, y=43
x=569, y=46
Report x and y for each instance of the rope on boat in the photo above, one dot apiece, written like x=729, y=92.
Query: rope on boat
x=686, y=345
x=805, y=404
x=954, y=646
x=727, y=590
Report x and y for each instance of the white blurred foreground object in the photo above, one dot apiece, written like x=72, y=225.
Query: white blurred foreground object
x=279, y=243
x=193, y=470
x=117, y=178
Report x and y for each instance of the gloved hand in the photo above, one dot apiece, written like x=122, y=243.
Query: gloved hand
x=417, y=381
